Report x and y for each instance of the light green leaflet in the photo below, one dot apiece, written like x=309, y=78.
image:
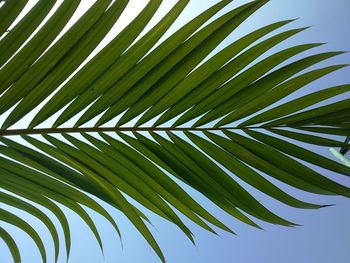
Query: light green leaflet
x=11, y=244
x=339, y=156
x=199, y=118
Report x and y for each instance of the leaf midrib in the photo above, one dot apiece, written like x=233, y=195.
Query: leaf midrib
x=8, y=132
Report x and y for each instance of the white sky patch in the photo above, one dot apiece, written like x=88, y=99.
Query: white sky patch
x=131, y=11
x=133, y=8
x=25, y=10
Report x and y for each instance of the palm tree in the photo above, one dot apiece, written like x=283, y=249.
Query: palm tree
x=138, y=116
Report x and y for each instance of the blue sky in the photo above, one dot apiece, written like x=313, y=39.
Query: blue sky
x=324, y=235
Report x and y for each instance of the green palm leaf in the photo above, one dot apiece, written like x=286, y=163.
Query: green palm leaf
x=211, y=120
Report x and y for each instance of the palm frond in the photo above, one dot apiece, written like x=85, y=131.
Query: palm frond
x=210, y=118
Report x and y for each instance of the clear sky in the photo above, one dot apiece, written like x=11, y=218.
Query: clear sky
x=324, y=235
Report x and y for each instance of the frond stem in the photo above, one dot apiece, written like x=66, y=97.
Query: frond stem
x=9, y=132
